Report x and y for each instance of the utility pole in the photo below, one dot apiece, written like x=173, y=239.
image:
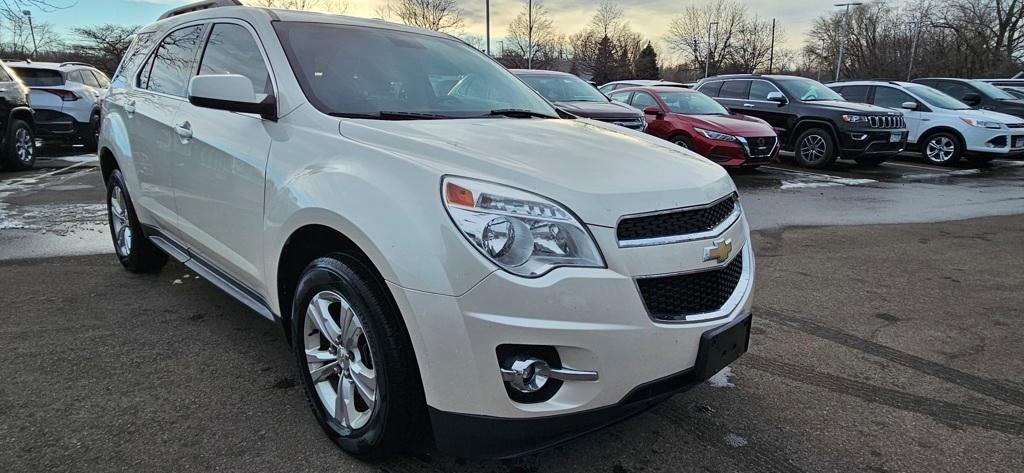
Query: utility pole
x=771, y=54
x=846, y=31
x=707, y=61
x=529, y=35
x=917, y=24
x=35, y=47
x=487, y=9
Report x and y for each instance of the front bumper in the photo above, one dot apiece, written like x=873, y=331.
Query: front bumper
x=740, y=155
x=982, y=142
x=596, y=320
x=871, y=142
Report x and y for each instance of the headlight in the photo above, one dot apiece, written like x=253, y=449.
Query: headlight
x=855, y=119
x=523, y=233
x=714, y=135
x=982, y=123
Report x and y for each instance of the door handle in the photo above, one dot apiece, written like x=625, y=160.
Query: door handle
x=748, y=105
x=184, y=131
x=129, y=108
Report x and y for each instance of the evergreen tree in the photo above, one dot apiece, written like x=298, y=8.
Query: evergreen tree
x=647, y=63
x=604, y=63
x=624, y=66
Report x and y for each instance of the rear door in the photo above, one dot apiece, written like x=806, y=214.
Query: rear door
x=733, y=95
x=222, y=159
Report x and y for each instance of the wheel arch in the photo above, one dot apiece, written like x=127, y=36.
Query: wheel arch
x=942, y=128
x=25, y=114
x=108, y=163
x=802, y=126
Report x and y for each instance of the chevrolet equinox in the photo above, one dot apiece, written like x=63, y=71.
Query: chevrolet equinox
x=451, y=258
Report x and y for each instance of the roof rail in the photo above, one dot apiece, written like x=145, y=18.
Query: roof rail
x=74, y=63
x=201, y=5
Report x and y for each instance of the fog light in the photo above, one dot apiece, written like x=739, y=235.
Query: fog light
x=858, y=136
x=527, y=375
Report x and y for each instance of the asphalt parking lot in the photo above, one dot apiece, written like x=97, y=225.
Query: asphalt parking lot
x=886, y=339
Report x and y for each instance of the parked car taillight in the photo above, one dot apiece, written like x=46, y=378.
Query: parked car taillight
x=65, y=95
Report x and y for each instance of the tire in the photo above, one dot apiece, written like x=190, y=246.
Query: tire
x=387, y=414
x=942, y=148
x=682, y=141
x=870, y=160
x=91, y=139
x=19, y=150
x=135, y=252
x=980, y=160
x=815, y=148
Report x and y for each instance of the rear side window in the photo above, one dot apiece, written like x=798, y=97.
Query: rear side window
x=711, y=88
x=133, y=57
x=171, y=65
x=855, y=93
x=87, y=78
x=101, y=78
x=957, y=90
x=620, y=96
x=643, y=100
x=734, y=89
x=231, y=49
x=33, y=77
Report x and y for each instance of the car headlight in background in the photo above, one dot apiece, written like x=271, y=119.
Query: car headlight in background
x=523, y=233
x=855, y=119
x=982, y=123
x=714, y=135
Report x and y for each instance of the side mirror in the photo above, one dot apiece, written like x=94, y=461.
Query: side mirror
x=231, y=92
x=654, y=110
x=909, y=105
x=971, y=99
x=777, y=97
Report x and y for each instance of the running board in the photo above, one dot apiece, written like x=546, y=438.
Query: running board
x=226, y=283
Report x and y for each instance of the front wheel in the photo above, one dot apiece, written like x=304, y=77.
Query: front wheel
x=942, y=148
x=681, y=141
x=20, y=149
x=355, y=359
x=815, y=149
x=92, y=138
x=135, y=252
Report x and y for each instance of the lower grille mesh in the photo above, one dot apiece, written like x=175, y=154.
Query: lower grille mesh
x=672, y=298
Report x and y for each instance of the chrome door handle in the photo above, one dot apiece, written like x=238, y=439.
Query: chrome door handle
x=129, y=108
x=184, y=131
x=748, y=105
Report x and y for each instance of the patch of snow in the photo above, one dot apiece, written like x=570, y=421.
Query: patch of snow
x=721, y=379
x=734, y=440
x=79, y=158
x=177, y=281
x=938, y=175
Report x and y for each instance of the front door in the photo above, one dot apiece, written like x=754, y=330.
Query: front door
x=891, y=97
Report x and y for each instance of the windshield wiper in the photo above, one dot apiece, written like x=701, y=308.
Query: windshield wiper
x=518, y=113
x=389, y=115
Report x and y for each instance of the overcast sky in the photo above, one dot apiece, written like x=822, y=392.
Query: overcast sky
x=650, y=17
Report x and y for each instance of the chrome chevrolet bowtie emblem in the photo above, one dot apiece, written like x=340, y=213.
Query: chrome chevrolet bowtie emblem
x=719, y=251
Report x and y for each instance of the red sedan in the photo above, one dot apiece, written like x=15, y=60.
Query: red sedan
x=695, y=121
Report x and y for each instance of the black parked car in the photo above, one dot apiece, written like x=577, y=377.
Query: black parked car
x=813, y=121
x=978, y=94
x=574, y=95
x=17, y=141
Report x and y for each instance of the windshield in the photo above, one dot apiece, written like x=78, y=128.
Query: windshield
x=807, y=90
x=563, y=88
x=1015, y=91
x=691, y=103
x=33, y=77
x=362, y=72
x=991, y=91
x=936, y=98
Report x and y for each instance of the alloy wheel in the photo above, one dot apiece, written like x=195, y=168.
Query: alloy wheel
x=940, y=149
x=681, y=143
x=119, y=220
x=23, y=145
x=812, y=148
x=339, y=360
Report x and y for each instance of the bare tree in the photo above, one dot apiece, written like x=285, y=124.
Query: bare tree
x=688, y=33
x=334, y=6
x=102, y=45
x=531, y=40
x=437, y=15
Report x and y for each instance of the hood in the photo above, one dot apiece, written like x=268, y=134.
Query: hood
x=599, y=171
x=600, y=110
x=992, y=116
x=852, y=107
x=740, y=125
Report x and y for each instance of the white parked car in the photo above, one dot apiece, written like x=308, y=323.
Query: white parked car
x=65, y=98
x=941, y=127
x=622, y=84
x=471, y=262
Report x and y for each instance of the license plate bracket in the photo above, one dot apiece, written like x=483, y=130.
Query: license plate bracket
x=895, y=136
x=721, y=346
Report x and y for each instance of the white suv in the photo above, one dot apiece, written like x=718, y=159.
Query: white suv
x=943, y=128
x=66, y=99
x=471, y=263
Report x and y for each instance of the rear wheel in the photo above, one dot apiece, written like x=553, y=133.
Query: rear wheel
x=815, y=149
x=136, y=253
x=942, y=148
x=20, y=149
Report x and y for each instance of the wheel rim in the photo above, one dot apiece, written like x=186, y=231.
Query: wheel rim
x=681, y=143
x=23, y=145
x=119, y=222
x=339, y=360
x=940, y=149
x=812, y=148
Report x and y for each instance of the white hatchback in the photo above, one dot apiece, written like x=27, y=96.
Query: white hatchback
x=461, y=261
x=941, y=127
x=65, y=98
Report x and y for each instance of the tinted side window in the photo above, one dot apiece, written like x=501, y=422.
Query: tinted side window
x=643, y=100
x=4, y=76
x=172, y=62
x=760, y=89
x=76, y=76
x=101, y=78
x=133, y=57
x=957, y=90
x=711, y=89
x=231, y=49
x=890, y=97
x=734, y=89
x=855, y=93
x=87, y=78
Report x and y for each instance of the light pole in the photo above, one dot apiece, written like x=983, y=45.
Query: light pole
x=707, y=61
x=487, y=9
x=28, y=13
x=917, y=24
x=846, y=31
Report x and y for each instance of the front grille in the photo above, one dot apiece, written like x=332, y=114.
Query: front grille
x=679, y=222
x=761, y=147
x=631, y=123
x=673, y=298
x=887, y=121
